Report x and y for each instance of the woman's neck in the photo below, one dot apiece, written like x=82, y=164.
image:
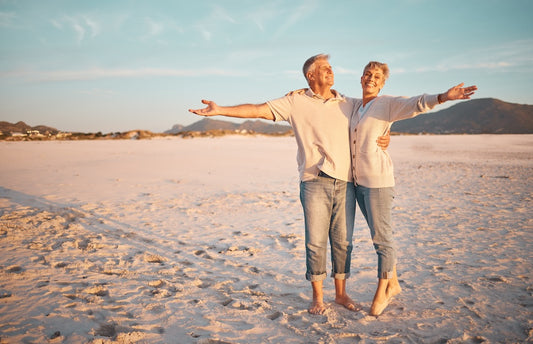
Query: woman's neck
x=368, y=97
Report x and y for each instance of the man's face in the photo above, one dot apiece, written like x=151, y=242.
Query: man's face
x=323, y=73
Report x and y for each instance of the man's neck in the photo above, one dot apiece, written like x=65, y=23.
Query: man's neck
x=324, y=92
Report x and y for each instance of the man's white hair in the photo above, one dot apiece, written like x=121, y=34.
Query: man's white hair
x=309, y=64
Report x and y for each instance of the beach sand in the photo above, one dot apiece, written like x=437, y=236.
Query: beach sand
x=201, y=241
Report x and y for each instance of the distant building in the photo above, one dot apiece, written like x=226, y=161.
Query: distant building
x=34, y=133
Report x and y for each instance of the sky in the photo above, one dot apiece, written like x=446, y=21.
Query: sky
x=108, y=66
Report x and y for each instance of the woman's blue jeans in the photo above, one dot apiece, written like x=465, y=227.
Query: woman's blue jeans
x=376, y=206
x=329, y=212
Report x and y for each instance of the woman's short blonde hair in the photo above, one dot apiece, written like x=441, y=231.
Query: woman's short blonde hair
x=383, y=66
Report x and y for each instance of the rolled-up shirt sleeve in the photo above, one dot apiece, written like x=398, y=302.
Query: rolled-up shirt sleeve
x=281, y=108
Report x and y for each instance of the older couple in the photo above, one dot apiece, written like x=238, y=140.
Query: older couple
x=341, y=158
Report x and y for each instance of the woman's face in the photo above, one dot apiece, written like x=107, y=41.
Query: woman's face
x=372, y=81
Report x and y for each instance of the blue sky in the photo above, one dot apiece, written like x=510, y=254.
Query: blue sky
x=121, y=65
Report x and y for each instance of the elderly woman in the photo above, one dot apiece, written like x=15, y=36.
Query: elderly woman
x=373, y=171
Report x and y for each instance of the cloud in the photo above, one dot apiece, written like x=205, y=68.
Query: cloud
x=154, y=28
x=296, y=15
x=98, y=92
x=102, y=73
x=221, y=13
x=81, y=25
x=214, y=22
x=475, y=65
x=499, y=57
x=93, y=25
x=346, y=71
x=80, y=31
x=6, y=18
x=57, y=24
x=206, y=34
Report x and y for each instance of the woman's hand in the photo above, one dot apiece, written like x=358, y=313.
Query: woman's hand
x=300, y=91
x=457, y=92
x=384, y=141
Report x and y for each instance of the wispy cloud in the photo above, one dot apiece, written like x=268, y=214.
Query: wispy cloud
x=221, y=14
x=93, y=25
x=7, y=18
x=217, y=18
x=81, y=26
x=296, y=15
x=160, y=30
x=102, y=73
x=498, y=57
x=98, y=92
x=153, y=28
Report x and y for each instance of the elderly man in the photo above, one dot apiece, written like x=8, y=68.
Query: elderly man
x=320, y=119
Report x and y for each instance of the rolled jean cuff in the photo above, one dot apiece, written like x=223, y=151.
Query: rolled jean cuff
x=315, y=278
x=386, y=275
x=340, y=276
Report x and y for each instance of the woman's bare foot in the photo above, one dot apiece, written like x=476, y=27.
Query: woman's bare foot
x=382, y=301
x=317, y=307
x=379, y=305
x=348, y=303
x=394, y=290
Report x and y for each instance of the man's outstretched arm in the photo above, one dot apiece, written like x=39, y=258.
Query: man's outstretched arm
x=239, y=111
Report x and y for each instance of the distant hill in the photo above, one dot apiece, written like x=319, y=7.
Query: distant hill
x=20, y=127
x=207, y=124
x=477, y=116
x=178, y=128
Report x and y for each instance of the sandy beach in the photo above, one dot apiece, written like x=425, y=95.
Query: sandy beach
x=200, y=240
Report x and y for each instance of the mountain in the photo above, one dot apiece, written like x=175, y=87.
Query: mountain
x=477, y=116
x=23, y=128
x=207, y=124
x=178, y=128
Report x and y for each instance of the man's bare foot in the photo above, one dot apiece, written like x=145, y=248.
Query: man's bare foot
x=317, y=307
x=348, y=303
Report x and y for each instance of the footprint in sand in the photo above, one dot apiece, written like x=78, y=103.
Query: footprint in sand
x=106, y=330
x=226, y=302
x=5, y=294
x=274, y=315
x=97, y=290
x=203, y=254
x=14, y=269
x=154, y=258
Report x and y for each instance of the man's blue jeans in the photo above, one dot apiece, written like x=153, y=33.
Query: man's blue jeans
x=376, y=206
x=329, y=212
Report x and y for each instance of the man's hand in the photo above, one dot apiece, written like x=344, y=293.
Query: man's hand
x=237, y=111
x=384, y=141
x=212, y=109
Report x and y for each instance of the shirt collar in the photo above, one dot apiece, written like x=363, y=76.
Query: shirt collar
x=338, y=97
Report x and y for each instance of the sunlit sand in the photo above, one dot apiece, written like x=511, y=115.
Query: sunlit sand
x=201, y=241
